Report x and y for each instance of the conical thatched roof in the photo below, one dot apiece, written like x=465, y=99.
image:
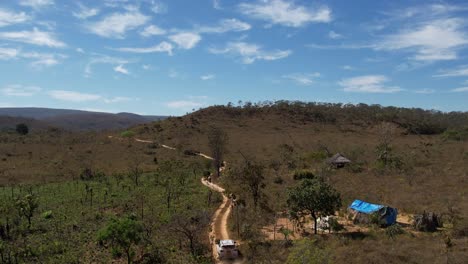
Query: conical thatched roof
x=338, y=158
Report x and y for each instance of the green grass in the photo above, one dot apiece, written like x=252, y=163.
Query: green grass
x=68, y=234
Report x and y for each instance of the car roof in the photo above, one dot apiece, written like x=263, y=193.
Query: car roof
x=227, y=242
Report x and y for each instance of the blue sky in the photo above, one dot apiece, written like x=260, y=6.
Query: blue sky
x=172, y=56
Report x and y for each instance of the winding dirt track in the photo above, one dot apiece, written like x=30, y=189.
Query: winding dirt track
x=219, y=227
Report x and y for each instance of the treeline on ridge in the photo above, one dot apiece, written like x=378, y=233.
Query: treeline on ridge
x=414, y=120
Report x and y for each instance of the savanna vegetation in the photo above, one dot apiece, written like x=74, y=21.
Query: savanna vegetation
x=109, y=197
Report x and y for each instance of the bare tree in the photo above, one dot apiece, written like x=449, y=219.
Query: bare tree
x=217, y=140
x=252, y=175
x=192, y=227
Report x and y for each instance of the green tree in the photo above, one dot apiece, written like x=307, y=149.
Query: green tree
x=313, y=197
x=22, y=129
x=252, y=175
x=122, y=234
x=27, y=206
x=306, y=252
x=217, y=141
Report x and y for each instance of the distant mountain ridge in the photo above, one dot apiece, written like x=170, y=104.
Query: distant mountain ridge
x=75, y=120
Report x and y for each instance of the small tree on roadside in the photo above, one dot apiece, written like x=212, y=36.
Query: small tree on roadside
x=313, y=197
x=252, y=175
x=22, y=129
x=217, y=141
x=192, y=228
x=122, y=234
x=27, y=206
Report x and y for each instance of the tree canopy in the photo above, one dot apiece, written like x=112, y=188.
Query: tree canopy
x=313, y=197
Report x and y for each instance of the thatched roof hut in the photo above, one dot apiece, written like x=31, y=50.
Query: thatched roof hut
x=338, y=160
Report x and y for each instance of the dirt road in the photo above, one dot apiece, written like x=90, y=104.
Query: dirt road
x=219, y=222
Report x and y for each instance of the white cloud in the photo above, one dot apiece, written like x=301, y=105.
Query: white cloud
x=158, y=7
x=85, y=12
x=303, y=78
x=186, y=40
x=226, y=25
x=347, y=67
x=207, y=77
x=38, y=59
x=459, y=72
x=20, y=90
x=184, y=104
x=43, y=59
x=8, y=53
x=35, y=37
x=433, y=40
x=152, y=30
x=285, y=13
x=72, y=96
x=80, y=50
x=333, y=35
x=36, y=4
x=161, y=47
x=425, y=91
x=460, y=90
x=116, y=25
x=368, y=84
x=8, y=17
x=100, y=59
x=121, y=69
x=118, y=99
x=146, y=67
x=217, y=4
x=249, y=53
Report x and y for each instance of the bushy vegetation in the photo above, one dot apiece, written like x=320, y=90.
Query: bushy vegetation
x=66, y=222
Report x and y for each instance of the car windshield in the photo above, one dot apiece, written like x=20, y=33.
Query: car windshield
x=229, y=247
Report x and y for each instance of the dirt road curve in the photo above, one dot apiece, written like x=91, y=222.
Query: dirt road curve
x=219, y=227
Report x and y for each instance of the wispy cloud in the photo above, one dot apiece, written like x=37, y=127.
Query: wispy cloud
x=72, y=96
x=102, y=59
x=191, y=102
x=302, y=78
x=460, y=90
x=461, y=71
x=159, y=7
x=35, y=37
x=432, y=41
x=20, y=90
x=333, y=35
x=250, y=53
x=116, y=25
x=207, y=77
x=38, y=59
x=225, y=25
x=425, y=91
x=85, y=12
x=36, y=4
x=8, y=17
x=286, y=13
x=217, y=4
x=161, y=47
x=186, y=40
x=347, y=67
x=118, y=99
x=368, y=84
x=152, y=30
x=121, y=69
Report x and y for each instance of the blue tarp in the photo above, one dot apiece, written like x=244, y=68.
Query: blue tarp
x=389, y=213
x=365, y=207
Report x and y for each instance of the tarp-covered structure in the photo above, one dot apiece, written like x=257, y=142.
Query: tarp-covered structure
x=366, y=213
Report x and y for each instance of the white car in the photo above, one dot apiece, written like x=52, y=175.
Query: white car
x=227, y=249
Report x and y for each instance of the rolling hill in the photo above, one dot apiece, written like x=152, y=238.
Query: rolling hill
x=74, y=120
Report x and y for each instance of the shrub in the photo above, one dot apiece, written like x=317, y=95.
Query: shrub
x=456, y=134
x=394, y=230
x=22, y=129
x=47, y=214
x=127, y=134
x=278, y=180
x=303, y=174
